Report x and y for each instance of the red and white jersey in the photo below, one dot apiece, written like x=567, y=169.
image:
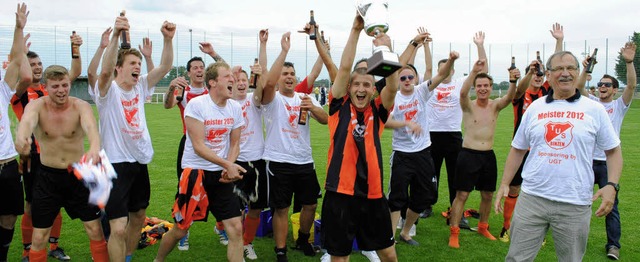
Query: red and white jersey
x=252, y=138
x=189, y=93
x=562, y=137
x=412, y=108
x=7, y=148
x=218, y=124
x=444, y=111
x=616, y=110
x=286, y=141
x=123, y=123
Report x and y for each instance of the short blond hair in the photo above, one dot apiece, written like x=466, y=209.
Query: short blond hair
x=55, y=72
x=211, y=72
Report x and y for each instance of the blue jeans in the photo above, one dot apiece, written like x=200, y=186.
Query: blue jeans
x=613, y=219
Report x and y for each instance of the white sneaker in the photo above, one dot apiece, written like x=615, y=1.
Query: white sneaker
x=249, y=252
x=183, y=245
x=400, y=223
x=371, y=255
x=325, y=258
x=412, y=231
x=224, y=240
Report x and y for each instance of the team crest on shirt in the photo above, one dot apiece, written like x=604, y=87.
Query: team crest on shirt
x=558, y=135
x=409, y=115
x=443, y=95
x=130, y=108
x=215, y=135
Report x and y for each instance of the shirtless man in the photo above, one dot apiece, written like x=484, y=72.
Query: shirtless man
x=476, y=165
x=60, y=123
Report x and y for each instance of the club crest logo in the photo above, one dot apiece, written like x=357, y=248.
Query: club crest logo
x=558, y=135
x=410, y=115
x=443, y=95
x=216, y=136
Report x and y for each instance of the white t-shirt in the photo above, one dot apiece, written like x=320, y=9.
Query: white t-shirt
x=616, y=110
x=412, y=108
x=252, y=139
x=286, y=141
x=123, y=124
x=445, y=114
x=218, y=124
x=7, y=148
x=562, y=136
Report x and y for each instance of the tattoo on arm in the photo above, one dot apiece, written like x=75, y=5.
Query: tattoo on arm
x=218, y=58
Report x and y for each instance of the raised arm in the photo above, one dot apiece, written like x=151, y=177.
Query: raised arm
x=269, y=91
x=478, y=39
x=628, y=52
x=76, y=63
x=514, y=75
x=16, y=78
x=428, y=58
x=323, y=51
x=111, y=55
x=166, y=61
x=340, y=85
x=557, y=31
x=92, y=70
x=90, y=127
x=147, y=49
x=444, y=71
x=257, y=93
x=526, y=81
x=262, y=55
x=208, y=49
x=388, y=93
x=413, y=45
x=582, y=78
x=465, y=100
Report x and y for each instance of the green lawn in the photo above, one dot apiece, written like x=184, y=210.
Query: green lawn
x=166, y=130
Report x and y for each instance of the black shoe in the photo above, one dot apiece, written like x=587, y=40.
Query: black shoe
x=306, y=248
x=281, y=254
x=426, y=213
x=464, y=223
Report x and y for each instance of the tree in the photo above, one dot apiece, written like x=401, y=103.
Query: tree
x=175, y=72
x=621, y=67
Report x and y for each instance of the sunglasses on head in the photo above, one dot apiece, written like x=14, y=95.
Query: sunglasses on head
x=403, y=78
x=605, y=84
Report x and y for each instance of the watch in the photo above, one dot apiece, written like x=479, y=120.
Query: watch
x=413, y=43
x=614, y=185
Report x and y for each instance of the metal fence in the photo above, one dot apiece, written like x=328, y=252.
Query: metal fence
x=53, y=45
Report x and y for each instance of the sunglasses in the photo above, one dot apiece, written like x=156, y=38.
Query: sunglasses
x=403, y=78
x=605, y=84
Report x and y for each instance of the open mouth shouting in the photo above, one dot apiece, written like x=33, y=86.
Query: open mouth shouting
x=136, y=76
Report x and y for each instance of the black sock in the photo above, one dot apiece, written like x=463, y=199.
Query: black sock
x=6, y=235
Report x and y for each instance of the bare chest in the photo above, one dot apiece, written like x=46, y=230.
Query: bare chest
x=54, y=125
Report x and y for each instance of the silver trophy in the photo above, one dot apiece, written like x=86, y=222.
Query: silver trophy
x=383, y=62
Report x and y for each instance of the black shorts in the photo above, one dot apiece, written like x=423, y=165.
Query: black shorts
x=476, y=169
x=517, y=178
x=11, y=189
x=254, y=183
x=412, y=172
x=54, y=188
x=223, y=203
x=287, y=179
x=346, y=217
x=131, y=190
x=29, y=171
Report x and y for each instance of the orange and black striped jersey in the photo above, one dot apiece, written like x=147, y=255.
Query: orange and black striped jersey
x=355, y=155
x=521, y=104
x=19, y=103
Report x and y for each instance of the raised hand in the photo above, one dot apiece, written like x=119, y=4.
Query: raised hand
x=104, y=40
x=76, y=39
x=285, y=42
x=514, y=74
x=122, y=23
x=628, y=52
x=382, y=39
x=256, y=69
x=478, y=38
x=27, y=44
x=453, y=55
x=21, y=15
x=168, y=29
x=557, y=31
x=264, y=35
x=146, y=48
x=478, y=66
x=423, y=31
x=358, y=22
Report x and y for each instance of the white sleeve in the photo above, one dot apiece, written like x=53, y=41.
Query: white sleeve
x=521, y=139
x=423, y=90
x=193, y=111
x=606, y=137
x=237, y=115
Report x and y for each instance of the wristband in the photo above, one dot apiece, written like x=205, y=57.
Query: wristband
x=513, y=81
x=413, y=43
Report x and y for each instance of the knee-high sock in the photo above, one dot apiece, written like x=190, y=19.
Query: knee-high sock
x=509, y=205
x=6, y=235
x=27, y=231
x=55, y=232
x=250, y=229
x=99, y=251
x=38, y=256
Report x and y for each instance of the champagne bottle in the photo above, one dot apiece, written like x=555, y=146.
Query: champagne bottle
x=75, y=49
x=312, y=30
x=592, y=61
x=538, y=67
x=123, y=34
x=253, y=82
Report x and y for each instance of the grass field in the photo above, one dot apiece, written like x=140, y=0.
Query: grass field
x=432, y=233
